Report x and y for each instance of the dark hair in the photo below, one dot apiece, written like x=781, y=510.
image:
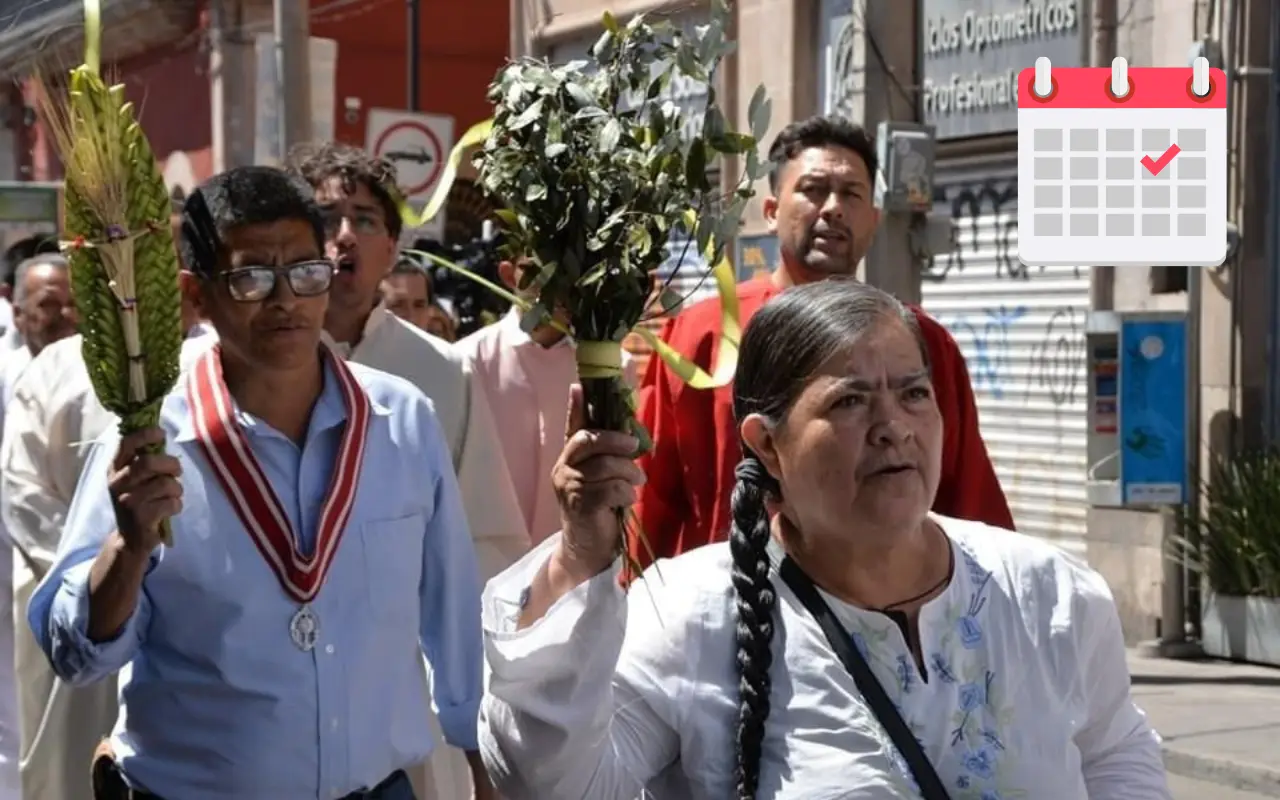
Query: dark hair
x=240, y=196
x=786, y=343
x=408, y=265
x=23, y=249
x=317, y=162
x=819, y=131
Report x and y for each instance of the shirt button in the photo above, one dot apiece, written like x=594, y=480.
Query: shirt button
x=333, y=723
x=328, y=648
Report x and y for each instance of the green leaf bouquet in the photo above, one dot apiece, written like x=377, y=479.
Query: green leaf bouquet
x=597, y=172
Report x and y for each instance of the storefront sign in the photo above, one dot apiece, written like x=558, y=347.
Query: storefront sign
x=973, y=50
x=840, y=78
x=1153, y=412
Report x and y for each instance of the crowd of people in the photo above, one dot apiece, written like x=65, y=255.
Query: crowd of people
x=395, y=572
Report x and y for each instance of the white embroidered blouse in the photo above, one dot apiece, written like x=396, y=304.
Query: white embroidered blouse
x=1025, y=694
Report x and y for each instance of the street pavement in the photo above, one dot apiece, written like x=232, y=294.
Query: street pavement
x=1220, y=723
x=1192, y=789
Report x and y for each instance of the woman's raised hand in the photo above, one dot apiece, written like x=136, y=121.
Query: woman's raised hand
x=595, y=476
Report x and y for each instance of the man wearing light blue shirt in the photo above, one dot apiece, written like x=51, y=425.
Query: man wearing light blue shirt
x=274, y=651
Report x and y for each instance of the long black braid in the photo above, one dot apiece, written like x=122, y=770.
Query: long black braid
x=789, y=340
x=748, y=543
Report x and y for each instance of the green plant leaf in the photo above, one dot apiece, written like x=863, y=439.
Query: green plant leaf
x=596, y=164
x=509, y=219
x=696, y=166
x=758, y=111
x=536, y=315
x=527, y=117
x=610, y=135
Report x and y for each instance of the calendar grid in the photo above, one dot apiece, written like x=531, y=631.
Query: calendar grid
x=1122, y=166
x=1090, y=182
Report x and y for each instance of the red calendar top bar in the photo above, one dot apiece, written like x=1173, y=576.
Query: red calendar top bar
x=1149, y=87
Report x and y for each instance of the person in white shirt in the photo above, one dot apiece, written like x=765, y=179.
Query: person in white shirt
x=43, y=314
x=18, y=252
x=48, y=433
x=362, y=228
x=844, y=643
x=51, y=424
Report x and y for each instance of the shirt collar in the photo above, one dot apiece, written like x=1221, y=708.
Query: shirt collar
x=329, y=411
x=376, y=319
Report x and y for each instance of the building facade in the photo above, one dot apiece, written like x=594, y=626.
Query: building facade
x=200, y=75
x=1021, y=329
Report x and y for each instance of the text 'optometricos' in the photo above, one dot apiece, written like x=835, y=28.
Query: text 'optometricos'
x=977, y=31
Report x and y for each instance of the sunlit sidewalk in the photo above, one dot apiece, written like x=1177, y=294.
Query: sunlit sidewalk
x=1220, y=722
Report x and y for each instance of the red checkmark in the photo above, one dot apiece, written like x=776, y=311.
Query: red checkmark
x=1157, y=166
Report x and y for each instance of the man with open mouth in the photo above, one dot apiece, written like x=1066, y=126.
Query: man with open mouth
x=362, y=229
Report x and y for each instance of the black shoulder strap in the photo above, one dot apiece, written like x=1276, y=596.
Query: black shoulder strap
x=931, y=787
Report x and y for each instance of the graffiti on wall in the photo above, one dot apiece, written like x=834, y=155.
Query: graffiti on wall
x=972, y=205
x=992, y=336
x=1056, y=355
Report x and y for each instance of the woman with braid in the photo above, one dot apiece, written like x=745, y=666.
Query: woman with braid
x=845, y=643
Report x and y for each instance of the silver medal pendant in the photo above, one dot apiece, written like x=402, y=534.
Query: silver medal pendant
x=304, y=629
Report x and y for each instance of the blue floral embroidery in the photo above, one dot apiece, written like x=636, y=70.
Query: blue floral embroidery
x=992, y=738
x=957, y=659
x=970, y=632
x=940, y=668
x=980, y=763
x=981, y=710
x=972, y=695
x=906, y=674
x=968, y=627
x=978, y=574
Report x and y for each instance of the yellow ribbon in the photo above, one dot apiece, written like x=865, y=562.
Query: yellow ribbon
x=730, y=331
x=93, y=35
x=475, y=136
x=599, y=359
x=683, y=368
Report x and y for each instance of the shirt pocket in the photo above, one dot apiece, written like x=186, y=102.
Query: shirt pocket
x=393, y=564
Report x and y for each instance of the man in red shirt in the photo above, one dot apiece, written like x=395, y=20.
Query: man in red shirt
x=823, y=213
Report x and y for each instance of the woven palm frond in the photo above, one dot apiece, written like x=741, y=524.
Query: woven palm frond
x=124, y=269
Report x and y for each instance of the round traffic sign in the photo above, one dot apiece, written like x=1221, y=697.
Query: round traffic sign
x=416, y=152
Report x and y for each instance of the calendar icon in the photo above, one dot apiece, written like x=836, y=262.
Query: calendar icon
x=1123, y=167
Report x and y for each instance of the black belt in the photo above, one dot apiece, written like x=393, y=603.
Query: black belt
x=109, y=784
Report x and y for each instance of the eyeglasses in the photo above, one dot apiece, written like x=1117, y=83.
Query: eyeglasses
x=255, y=284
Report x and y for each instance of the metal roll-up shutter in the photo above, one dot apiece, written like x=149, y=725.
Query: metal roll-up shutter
x=1022, y=334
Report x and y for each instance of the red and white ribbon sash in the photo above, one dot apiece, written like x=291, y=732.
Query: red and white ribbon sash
x=248, y=489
